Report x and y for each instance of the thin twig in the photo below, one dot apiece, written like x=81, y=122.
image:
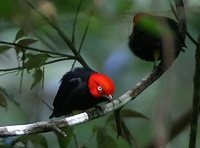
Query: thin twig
x=61, y=33
x=75, y=21
x=84, y=35
x=6, y=73
x=187, y=33
x=192, y=39
x=35, y=49
x=180, y=9
x=50, y=62
x=196, y=99
x=11, y=69
x=86, y=29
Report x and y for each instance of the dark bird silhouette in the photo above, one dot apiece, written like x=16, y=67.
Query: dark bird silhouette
x=81, y=89
x=155, y=37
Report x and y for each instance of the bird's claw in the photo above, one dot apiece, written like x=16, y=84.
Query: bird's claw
x=99, y=110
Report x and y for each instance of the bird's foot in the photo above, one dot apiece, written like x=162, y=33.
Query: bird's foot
x=99, y=110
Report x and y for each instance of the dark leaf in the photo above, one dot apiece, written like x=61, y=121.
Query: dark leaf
x=64, y=142
x=126, y=134
x=37, y=77
x=24, y=42
x=35, y=139
x=5, y=146
x=40, y=140
x=3, y=91
x=21, y=33
x=127, y=113
x=35, y=60
x=181, y=16
x=2, y=100
x=104, y=140
x=4, y=48
x=118, y=122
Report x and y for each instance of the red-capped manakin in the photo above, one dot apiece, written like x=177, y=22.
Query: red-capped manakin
x=81, y=89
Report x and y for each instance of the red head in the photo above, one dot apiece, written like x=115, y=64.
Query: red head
x=101, y=86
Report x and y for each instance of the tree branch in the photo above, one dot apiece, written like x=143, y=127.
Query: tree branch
x=35, y=49
x=46, y=63
x=185, y=30
x=61, y=34
x=196, y=99
x=46, y=126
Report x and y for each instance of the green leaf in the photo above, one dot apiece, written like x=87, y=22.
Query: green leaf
x=36, y=140
x=127, y=113
x=21, y=33
x=39, y=139
x=37, y=77
x=3, y=102
x=64, y=142
x=4, y=48
x=104, y=140
x=35, y=60
x=7, y=10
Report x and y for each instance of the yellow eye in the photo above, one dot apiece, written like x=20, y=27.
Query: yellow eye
x=100, y=88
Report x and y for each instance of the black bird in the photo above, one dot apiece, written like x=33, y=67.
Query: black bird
x=81, y=89
x=147, y=40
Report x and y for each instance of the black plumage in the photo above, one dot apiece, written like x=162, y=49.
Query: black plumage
x=146, y=40
x=74, y=94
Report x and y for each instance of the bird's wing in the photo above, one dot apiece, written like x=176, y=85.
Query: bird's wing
x=65, y=90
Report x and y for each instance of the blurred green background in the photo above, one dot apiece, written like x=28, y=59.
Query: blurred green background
x=106, y=50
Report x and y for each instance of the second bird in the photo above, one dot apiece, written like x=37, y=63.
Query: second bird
x=155, y=37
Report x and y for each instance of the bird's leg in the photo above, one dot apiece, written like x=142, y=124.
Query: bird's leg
x=57, y=129
x=99, y=109
x=154, y=64
x=97, y=112
x=156, y=57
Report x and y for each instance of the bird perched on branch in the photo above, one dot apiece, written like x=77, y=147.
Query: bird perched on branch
x=81, y=89
x=155, y=37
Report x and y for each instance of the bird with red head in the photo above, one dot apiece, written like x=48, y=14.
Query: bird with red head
x=82, y=89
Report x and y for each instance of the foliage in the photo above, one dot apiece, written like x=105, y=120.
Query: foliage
x=93, y=33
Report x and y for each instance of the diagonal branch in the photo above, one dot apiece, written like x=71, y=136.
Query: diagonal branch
x=186, y=32
x=196, y=99
x=61, y=34
x=75, y=21
x=16, y=69
x=46, y=126
x=84, y=35
x=35, y=49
